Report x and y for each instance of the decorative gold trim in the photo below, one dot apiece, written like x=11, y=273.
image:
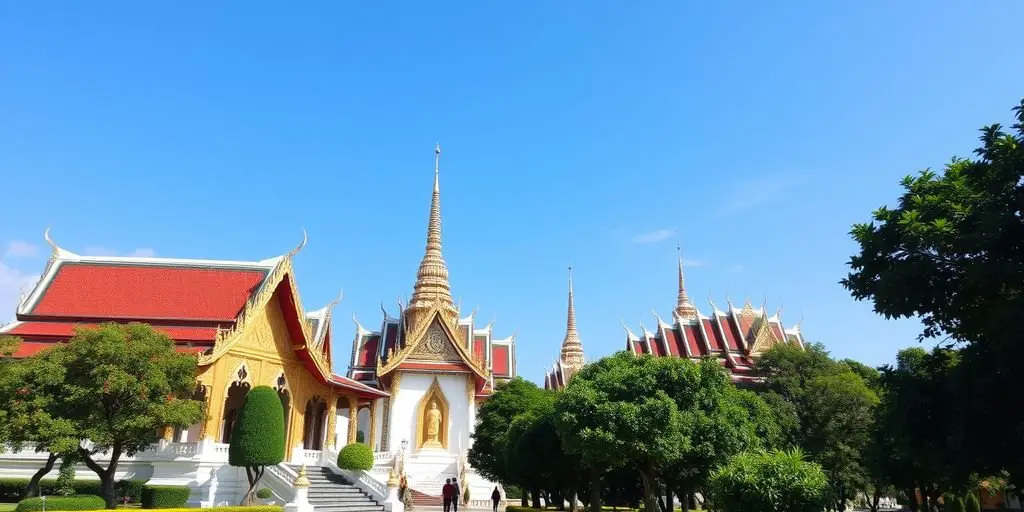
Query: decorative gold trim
x=372, y=437
x=332, y=425
x=434, y=393
x=353, y=419
x=764, y=338
x=418, y=334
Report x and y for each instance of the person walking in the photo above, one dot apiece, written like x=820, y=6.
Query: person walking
x=495, y=498
x=456, y=495
x=446, y=494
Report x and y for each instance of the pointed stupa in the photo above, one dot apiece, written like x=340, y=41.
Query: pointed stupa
x=432, y=288
x=572, y=348
x=684, y=308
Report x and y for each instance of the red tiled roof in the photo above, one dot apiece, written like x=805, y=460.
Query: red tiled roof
x=65, y=330
x=30, y=348
x=147, y=292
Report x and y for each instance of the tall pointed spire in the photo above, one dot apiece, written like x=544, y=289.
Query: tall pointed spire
x=432, y=277
x=684, y=308
x=572, y=348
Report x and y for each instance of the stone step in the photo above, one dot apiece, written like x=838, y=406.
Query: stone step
x=346, y=506
x=348, y=498
x=364, y=508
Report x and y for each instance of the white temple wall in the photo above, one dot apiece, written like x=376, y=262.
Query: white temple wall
x=341, y=430
x=378, y=430
x=405, y=407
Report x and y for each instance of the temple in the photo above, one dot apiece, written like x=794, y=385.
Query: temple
x=411, y=393
x=734, y=337
x=570, y=358
x=437, y=368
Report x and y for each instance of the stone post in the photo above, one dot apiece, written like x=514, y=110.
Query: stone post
x=301, y=501
x=394, y=501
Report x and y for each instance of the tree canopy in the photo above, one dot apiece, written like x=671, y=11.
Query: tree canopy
x=488, y=454
x=257, y=438
x=116, y=386
x=951, y=252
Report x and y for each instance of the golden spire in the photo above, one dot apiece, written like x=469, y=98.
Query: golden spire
x=432, y=277
x=572, y=348
x=684, y=308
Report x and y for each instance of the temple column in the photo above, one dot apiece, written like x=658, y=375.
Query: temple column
x=471, y=413
x=373, y=425
x=353, y=418
x=332, y=418
x=206, y=409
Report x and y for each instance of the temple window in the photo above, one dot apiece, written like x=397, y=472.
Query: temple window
x=233, y=402
x=282, y=392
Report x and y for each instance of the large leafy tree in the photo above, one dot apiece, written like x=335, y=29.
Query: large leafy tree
x=918, y=425
x=828, y=408
x=535, y=454
x=31, y=411
x=668, y=418
x=257, y=440
x=122, y=386
x=951, y=252
x=488, y=455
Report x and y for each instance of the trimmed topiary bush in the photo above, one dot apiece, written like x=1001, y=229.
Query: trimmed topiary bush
x=264, y=494
x=355, y=456
x=165, y=496
x=773, y=481
x=257, y=440
x=69, y=503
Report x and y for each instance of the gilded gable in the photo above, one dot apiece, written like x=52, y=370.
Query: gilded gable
x=436, y=345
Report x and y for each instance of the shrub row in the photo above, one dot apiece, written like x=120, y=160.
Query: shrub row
x=516, y=508
x=13, y=489
x=63, y=503
x=165, y=496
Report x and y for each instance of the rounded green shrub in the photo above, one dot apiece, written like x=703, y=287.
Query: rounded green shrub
x=971, y=504
x=355, y=456
x=257, y=438
x=68, y=503
x=165, y=496
x=773, y=481
x=264, y=494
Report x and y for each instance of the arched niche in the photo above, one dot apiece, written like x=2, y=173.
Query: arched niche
x=315, y=421
x=281, y=386
x=432, y=396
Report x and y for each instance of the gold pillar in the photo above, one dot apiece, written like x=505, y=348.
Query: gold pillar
x=332, y=418
x=203, y=426
x=373, y=424
x=353, y=418
x=168, y=434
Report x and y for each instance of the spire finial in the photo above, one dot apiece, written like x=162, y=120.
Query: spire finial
x=572, y=348
x=684, y=308
x=432, y=277
x=302, y=244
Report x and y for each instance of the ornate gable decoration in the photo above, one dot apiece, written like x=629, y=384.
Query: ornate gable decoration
x=436, y=346
x=764, y=337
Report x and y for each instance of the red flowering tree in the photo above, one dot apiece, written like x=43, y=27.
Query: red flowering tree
x=121, y=386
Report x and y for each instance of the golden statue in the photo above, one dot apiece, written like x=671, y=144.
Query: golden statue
x=433, y=418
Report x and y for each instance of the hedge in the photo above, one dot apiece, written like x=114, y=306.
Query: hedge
x=13, y=489
x=69, y=503
x=165, y=496
x=233, y=508
x=355, y=456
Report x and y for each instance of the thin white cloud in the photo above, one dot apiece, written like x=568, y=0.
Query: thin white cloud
x=653, y=237
x=20, y=249
x=756, y=192
x=13, y=283
x=143, y=252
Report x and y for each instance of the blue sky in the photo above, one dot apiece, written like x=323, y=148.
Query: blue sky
x=600, y=131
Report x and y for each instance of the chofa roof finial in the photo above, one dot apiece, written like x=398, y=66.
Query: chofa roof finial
x=302, y=245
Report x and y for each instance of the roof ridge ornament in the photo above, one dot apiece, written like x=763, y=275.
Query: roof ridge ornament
x=302, y=244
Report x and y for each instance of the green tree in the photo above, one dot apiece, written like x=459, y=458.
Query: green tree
x=769, y=482
x=919, y=424
x=536, y=457
x=32, y=411
x=668, y=418
x=122, y=386
x=257, y=440
x=951, y=252
x=488, y=455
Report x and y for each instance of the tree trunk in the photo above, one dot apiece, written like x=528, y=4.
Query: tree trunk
x=32, y=490
x=650, y=483
x=669, y=505
x=572, y=499
x=254, y=474
x=595, y=490
x=873, y=501
x=524, y=498
x=106, y=474
x=535, y=498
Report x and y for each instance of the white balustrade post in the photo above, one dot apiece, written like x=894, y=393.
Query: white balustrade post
x=301, y=501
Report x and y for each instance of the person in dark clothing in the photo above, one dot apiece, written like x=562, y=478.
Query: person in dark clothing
x=446, y=494
x=495, y=498
x=456, y=495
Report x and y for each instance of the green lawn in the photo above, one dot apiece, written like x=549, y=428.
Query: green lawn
x=6, y=507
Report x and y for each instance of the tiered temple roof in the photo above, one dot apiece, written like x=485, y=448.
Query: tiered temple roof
x=734, y=337
x=414, y=339
x=570, y=358
x=197, y=303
